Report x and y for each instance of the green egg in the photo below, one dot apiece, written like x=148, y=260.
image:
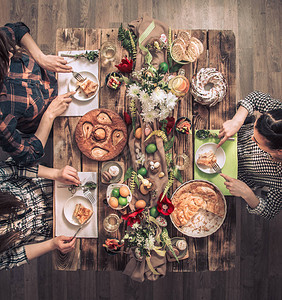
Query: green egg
x=151, y=148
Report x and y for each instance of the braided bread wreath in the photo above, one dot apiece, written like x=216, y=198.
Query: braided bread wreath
x=208, y=76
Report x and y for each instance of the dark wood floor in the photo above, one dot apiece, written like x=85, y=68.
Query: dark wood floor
x=257, y=26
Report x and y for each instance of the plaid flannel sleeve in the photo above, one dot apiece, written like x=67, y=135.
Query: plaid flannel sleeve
x=13, y=258
x=24, y=150
x=15, y=31
x=258, y=101
x=10, y=169
x=270, y=206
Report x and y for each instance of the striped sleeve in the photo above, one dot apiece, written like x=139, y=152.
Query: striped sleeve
x=10, y=169
x=13, y=258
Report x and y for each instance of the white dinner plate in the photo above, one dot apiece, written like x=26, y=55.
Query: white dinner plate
x=79, y=95
x=69, y=208
x=220, y=156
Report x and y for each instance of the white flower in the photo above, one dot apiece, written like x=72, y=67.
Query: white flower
x=149, y=116
x=149, y=243
x=164, y=112
x=135, y=225
x=133, y=91
x=171, y=100
x=158, y=96
x=144, y=97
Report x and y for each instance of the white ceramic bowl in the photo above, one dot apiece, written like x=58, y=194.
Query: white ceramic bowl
x=69, y=208
x=220, y=156
x=109, y=195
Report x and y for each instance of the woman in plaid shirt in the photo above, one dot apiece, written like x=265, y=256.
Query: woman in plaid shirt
x=259, y=154
x=28, y=94
x=26, y=212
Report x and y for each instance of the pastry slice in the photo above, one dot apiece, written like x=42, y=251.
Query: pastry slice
x=207, y=159
x=88, y=87
x=82, y=213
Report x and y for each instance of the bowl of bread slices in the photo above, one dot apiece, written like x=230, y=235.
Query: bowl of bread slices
x=85, y=89
x=186, y=49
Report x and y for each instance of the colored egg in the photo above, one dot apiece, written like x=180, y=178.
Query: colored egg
x=140, y=204
x=124, y=191
x=113, y=202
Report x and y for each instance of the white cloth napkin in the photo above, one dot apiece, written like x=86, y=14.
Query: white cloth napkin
x=62, y=194
x=77, y=108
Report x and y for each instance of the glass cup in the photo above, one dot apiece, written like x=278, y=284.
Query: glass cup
x=108, y=53
x=111, y=223
x=179, y=85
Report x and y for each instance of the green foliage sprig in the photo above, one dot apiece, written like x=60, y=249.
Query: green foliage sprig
x=128, y=41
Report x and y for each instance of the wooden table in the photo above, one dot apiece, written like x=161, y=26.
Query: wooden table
x=213, y=253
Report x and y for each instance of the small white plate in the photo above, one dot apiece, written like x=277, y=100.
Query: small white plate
x=69, y=208
x=220, y=156
x=79, y=95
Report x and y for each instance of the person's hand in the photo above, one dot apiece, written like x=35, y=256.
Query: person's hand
x=59, y=105
x=54, y=63
x=229, y=128
x=236, y=187
x=64, y=244
x=67, y=175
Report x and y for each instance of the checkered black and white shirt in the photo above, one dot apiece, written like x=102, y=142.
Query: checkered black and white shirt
x=34, y=222
x=256, y=167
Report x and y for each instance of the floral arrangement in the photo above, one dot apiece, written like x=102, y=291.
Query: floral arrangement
x=146, y=235
x=151, y=89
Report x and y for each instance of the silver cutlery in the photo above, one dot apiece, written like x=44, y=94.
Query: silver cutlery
x=216, y=167
x=78, y=76
x=87, y=193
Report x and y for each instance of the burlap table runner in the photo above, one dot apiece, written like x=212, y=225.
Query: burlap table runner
x=160, y=183
x=139, y=270
x=139, y=26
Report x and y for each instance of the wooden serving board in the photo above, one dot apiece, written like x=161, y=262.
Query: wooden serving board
x=101, y=134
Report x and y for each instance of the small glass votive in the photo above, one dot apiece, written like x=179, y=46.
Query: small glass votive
x=111, y=223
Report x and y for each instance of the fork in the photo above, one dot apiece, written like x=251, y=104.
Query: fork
x=87, y=193
x=78, y=76
x=216, y=167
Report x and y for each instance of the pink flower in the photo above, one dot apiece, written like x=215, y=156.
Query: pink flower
x=165, y=206
x=125, y=66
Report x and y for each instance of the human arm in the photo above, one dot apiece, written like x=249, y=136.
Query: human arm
x=28, y=148
x=15, y=257
x=48, y=62
x=67, y=175
x=255, y=101
x=267, y=208
x=55, y=109
x=20, y=34
x=62, y=243
x=240, y=189
x=230, y=127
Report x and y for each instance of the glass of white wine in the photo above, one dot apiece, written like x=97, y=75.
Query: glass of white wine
x=111, y=223
x=108, y=53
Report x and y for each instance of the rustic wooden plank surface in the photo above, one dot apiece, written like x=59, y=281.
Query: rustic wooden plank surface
x=211, y=253
x=255, y=23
